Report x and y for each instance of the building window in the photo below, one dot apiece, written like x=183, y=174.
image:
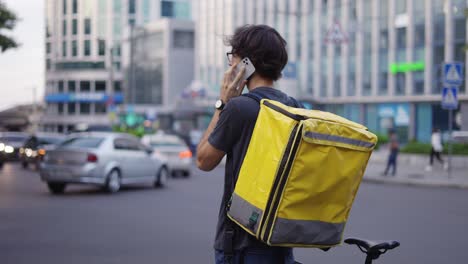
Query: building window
x=48, y=65
x=131, y=21
x=87, y=47
x=60, y=86
x=75, y=6
x=100, y=87
x=60, y=108
x=117, y=87
x=117, y=50
x=400, y=84
x=64, y=27
x=71, y=108
x=383, y=77
x=100, y=108
x=418, y=87
x=87, y=26
x=85, y=86
x=419, y=35
x=460, y=29
x=400, y=6
x=48, y=47
x=117, y=66
x=167, y=8
x=74, y=48
x=71, y=86
x=439, y=31
x=64, y=4
x=85, y=108
x=117, y=27
x=80, y=65
x=183, y=39
x=401, y=38
x=64, y=48
x=74, y=26
x=131, y=6
x=101, y=47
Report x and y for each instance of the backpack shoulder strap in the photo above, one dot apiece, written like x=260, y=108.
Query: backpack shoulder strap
x=254, y=96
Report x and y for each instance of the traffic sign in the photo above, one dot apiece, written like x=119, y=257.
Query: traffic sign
x=336, y=34
x=453, y=73
x=449, y=97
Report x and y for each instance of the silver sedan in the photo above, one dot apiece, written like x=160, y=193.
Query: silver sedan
x=173, y=149
x=104, y=159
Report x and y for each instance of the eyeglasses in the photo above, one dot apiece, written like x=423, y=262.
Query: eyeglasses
x=229, y=57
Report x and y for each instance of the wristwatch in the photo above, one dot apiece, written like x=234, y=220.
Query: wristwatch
x=219, y=104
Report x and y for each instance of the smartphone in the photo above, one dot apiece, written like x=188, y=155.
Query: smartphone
x=249, y=68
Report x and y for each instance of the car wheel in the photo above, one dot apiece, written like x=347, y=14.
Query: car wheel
x=24, y=164
x=186, y=174
x=113, y=181
x=56, y=188
x=161, y=177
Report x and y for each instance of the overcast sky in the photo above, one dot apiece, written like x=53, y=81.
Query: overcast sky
x=22, y=69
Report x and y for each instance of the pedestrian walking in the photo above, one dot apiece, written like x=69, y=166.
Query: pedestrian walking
x=394, y=147
x=231, y=128
x=436, y=150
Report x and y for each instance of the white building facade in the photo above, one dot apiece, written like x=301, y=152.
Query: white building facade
x=375, y=62
x=84, y=37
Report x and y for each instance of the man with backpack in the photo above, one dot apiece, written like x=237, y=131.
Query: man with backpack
x=231, y=128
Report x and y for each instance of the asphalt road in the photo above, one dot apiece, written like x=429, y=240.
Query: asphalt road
x=176, y=224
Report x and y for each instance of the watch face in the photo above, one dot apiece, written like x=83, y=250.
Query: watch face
x=219, y=104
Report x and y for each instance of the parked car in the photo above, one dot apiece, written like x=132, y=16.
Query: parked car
x=36, y=146
x=105, y=159
x=174, y=149
x=10, y=144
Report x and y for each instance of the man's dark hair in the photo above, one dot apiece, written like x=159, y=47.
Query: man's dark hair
x=264, y=46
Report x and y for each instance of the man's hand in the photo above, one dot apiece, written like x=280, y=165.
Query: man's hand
x=233, y=84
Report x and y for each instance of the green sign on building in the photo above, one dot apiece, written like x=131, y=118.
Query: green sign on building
x=407, y=67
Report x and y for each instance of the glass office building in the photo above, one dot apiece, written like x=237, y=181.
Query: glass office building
x=375, y=62
x=84, y=58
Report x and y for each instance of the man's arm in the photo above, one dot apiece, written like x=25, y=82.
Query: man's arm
x=208, y=157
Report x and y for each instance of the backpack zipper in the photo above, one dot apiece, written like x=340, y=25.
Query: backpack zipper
x=280, y=181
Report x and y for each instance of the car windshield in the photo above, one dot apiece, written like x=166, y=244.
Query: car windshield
x=50, y=140
x=13, y=139
x=82, y=142
x=166, y=144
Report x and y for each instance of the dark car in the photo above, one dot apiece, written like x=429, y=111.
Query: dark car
x=10, y=144
x=36, y=146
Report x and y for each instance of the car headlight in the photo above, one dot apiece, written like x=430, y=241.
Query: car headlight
x=41, y=152
x=9, y=149
x=28, y=152
x=2, y=147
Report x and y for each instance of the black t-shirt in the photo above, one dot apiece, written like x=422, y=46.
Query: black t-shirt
x=232, y=135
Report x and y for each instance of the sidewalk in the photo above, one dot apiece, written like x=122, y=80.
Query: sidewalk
x=411, y=171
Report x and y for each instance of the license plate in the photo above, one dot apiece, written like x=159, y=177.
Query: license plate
x=60, y=174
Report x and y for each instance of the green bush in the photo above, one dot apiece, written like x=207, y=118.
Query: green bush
x=415, y=147
x=457, y=149
x=138, y=131
x=382, y=139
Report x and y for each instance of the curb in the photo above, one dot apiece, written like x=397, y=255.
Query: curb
x=413, y=182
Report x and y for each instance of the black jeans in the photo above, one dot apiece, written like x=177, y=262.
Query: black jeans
x=392, y=162
x=258, y=256
x=437, y=155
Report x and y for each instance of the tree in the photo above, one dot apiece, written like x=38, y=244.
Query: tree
x=8, y=21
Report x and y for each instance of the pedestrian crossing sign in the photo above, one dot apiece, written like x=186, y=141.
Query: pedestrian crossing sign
x=449, y=97
x=453, y=73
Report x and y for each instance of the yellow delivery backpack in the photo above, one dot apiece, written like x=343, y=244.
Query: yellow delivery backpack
x=300, y=176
